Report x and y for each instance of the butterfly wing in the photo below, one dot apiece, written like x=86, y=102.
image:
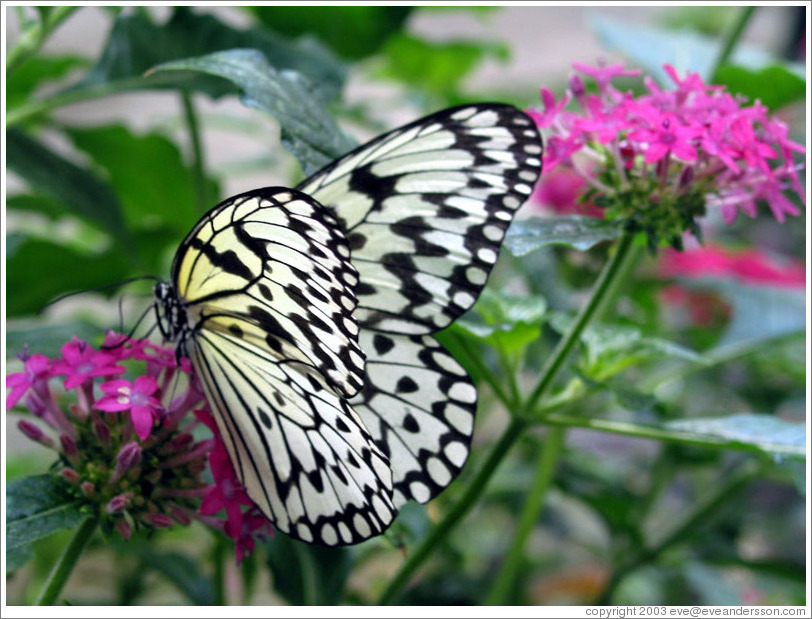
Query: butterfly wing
x=425, y=209
x=267, y=289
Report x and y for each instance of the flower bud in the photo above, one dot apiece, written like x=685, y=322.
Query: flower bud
x=34, y=432
x=159, y=521
x=102, y=432
x=129, y=456
x=70, y=475
x=88, y=488
x=124, y=529
x=118, y=503
x=68, y=445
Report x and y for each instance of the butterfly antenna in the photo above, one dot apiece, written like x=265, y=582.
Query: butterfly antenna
x=96, y=289
x=138, y=322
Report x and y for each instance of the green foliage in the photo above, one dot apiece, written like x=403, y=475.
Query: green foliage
x=531, y=233
x=353, y=32
x=674, y=430
x=775, y=86
x=36, y=507
x=308, y=130
x=308, y=575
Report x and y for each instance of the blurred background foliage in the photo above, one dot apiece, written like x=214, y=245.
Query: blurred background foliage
x=682, y=476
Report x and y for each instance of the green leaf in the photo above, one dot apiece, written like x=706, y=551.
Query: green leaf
x=765, y=432
x=529, y=234
x=148, y=175
x=53, y=176
x=438, y=68
x=35, y=508
x=180, y=570
x=136, y=44
x=352, y=31
x=610, y=349
x=35, y=72
x=308, y=575
x=38, y=271
x=650, y=48
x=35, y=203
x=775, y=86
x=758, y=312
x=308, y=129
x=48, y=339
x=505, y=321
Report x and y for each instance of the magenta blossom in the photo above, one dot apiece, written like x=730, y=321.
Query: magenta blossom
x=137, y=464
x=659, y=160
x=80, y=362
x=137, y=398
x=37, y=371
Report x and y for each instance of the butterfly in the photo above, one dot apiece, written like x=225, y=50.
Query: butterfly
x=308, y=315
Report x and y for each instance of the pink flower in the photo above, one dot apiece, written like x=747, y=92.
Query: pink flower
x=137, y=398
x=750, y=266
x=560, y=190
x=661, y=158
x=37, y=369
x=80, y=362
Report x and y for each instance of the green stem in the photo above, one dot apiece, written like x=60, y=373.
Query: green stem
x=551, y=450
x=460, y=509
x=521, y=419
x=604, y=288
x=732, y=38
x=64, y=566
x=85, y=93
x=218, y=553
x=475, y=358
x=687, y=528
x=32, y=38
x=198, y=162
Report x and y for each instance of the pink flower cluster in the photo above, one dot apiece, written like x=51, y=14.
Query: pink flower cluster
x=128, y=449
x=660, y=158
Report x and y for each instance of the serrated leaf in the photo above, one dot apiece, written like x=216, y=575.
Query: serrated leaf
x=650, y=48
x=49, y=174
x=136, y=44
x=766, y=432
x=508, y=322
x=582, y=233
x=306, y=574
x=35, y=508
x=308, y=129
x=775, y=86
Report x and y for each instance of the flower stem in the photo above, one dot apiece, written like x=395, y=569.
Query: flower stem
x=64, y=566
x=520, y=421
x=732, y=38
x=471, y=495
x=198, y=165
x=32, y=37
x=604, y=288
x=688, y=527
x=551, y=450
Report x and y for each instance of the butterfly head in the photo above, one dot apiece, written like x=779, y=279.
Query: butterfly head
x=170, y=314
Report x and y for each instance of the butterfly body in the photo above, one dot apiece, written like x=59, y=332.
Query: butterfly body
x=308, y=316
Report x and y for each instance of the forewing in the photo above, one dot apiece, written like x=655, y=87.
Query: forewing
x=302, y=453
x=271, y=267
x=425, y=209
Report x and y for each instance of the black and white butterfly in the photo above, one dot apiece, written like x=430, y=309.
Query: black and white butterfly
x=308, y=315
